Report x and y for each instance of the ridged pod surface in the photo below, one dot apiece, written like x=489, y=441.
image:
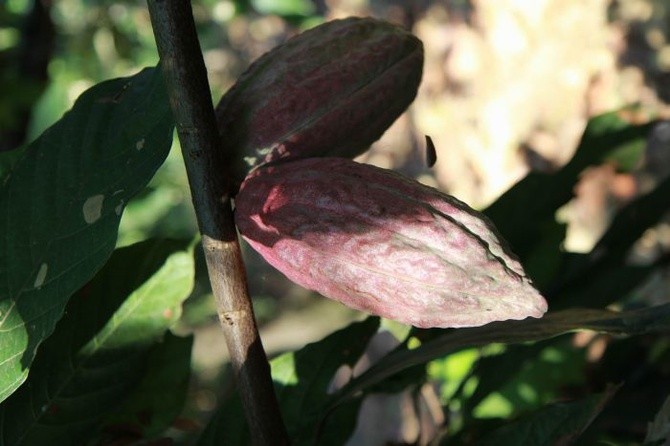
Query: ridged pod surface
x=338, y=85
x=382, y=243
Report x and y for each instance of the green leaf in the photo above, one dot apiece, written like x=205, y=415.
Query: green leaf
x=600, y=288
x=451, y=372
x=442, y=342
x=559, y=423
x=659, y=429
x=284, y=7
x=544, y=260
x=602, y=276
x=8, y=160
x=631, y=361
x=494, y=371
x=409, y=378
x=61, y=203
x=99, y=350
x=159, y=397
x=628, y=156
x=521, y=213
x=301, y=382
x=227, y=426
x=302, y=379
x=631, y=222
x=527, y=376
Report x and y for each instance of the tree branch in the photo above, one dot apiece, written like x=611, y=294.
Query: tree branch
x=209, y=179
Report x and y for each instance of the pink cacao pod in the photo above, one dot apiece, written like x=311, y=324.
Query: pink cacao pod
x=382, y=243
x=341, y=84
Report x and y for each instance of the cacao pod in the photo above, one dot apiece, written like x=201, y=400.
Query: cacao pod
x=382, y=243
x=341, y=84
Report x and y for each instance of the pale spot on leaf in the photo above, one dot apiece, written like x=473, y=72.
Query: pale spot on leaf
x=93, y=208
x=140, y=144
x=41, y=275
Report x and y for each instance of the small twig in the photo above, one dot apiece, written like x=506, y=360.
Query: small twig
x=209, y=179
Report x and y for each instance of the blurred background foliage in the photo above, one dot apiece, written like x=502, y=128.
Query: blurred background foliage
x=508, y=88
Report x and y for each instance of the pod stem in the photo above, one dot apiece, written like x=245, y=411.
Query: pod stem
x=209, y=178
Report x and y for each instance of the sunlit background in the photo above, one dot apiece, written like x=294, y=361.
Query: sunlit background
x=508, y=87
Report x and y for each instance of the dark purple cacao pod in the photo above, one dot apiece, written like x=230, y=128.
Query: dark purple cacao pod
x=339, y=85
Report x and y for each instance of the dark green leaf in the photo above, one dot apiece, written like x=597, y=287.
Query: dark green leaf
x=228, y=426
x=602, y=277
x=557, y=424
x=61, y=204
x=410, y=377
x=600, y=288
x=631, y=222
x=301, y=381
x=8, y=160
x=659, y=428
x=521, y=212
x=630, y=361
x=543, y=260
x=98, y=352
x=160, y=396
x=494, y=371
x=552, y=324
x=526, y=376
